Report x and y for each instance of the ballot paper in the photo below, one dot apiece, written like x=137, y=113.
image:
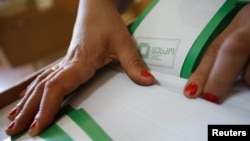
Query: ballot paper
x=111, y=107
x=171, y=34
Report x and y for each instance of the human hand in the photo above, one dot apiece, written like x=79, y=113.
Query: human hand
x=226, y=58
x=99, y=37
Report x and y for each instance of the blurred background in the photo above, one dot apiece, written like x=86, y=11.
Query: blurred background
x=35, y=33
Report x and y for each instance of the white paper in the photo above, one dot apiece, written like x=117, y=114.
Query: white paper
x=169, y=30
x=127, y=111
x=130, y=112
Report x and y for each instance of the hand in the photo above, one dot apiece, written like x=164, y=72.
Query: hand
x=226, y=58
x=99, y=37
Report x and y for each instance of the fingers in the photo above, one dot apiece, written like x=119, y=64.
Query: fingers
x=26, y=115
x=25, y=110
x=133, y=65
x=56, y=89
x=217, y=72
x=26, y=94
x=43, y=99
x=231, y=59
x=226, y=58
x=196, y=83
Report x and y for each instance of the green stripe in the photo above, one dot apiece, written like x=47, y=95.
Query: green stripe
x=87, y=124
x=55, y=133
x=65, y=110
x=81, y=118
x=142, y=16
x=199, y=45
x=13, y=138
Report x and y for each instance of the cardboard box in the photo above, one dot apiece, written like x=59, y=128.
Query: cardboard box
x=36, y=31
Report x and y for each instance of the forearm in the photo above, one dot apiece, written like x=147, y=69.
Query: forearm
x=91, y=14
x=99, y=16
x=121, y=5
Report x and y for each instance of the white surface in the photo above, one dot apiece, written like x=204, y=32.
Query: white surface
x=131, y=112
x=127, y=111
x=70, y=127
x=171, y=28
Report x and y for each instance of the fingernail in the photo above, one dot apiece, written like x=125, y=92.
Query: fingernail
x=33, y=125
x=12, y=124
x=33, y=131
x=212, y=98
x=146, y=73
x=13, y=111
x=191, y=89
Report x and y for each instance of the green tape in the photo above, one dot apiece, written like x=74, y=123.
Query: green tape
x=65, y=110
x=81, y=118
x=142, y=16
x=13, y=138
x=199, y=45
x=87, y=124
x=55, y=133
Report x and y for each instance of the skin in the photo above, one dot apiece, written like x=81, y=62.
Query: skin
x=226, y=58
x=98, y=41
x=95, y=43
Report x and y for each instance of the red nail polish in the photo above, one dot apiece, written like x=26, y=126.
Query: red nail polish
x=146, y=73
x=212, y=98
x=13, y=111
x=191, y=89
x=12, y=124
x=33, y=125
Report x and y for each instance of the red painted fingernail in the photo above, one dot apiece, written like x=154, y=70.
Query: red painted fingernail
x=13, y=111
x=191, y=89
x=146, y=73
x=212, y=98
x=33, y=125
x=12, y=124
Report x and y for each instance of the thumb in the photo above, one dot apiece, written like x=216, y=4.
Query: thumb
x=134, y=66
